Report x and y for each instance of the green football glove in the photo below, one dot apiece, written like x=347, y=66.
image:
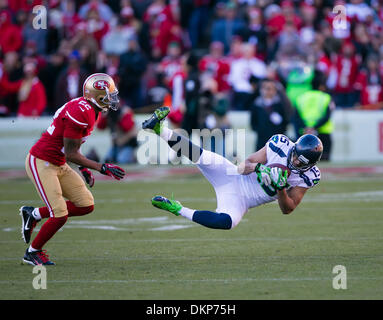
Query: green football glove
x=278, y=178
x=263, y=174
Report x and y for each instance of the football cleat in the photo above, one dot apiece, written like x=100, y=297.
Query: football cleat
x=28, y=222
x=36, y=258
x=156, y=120
x=163, y=203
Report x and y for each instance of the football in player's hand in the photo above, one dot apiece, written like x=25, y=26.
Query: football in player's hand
x=280, y=166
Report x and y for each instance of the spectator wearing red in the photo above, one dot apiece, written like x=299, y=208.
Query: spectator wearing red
x=32, y=97
x=171, y=63
x=26, y=5
x=170, y=29
x=11, y=38
x=177, y=96
x=369, y=82
x=95, y=25
x=346, y=66
x=277, y=23
x=152, y=22
x=216, y=66
x=70, y=18
x=11, y=74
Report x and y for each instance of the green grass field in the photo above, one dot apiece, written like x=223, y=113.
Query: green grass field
x=127, y=249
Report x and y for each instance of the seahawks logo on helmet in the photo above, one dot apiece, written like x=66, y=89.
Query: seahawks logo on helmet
x=305, y=154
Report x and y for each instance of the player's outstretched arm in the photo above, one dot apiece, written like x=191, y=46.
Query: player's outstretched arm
x=248, y=166
x=289, y=200
x=73, y=154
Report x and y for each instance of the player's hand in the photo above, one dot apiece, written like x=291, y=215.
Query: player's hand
x=278, y=178
x=112, y=170
x=263, y=173
x=88, y=176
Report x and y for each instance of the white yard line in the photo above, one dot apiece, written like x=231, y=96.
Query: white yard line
x=125, y=281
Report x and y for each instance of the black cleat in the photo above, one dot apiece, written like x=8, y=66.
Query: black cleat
x=155, y=121
x=28, y=222
x=36, y=258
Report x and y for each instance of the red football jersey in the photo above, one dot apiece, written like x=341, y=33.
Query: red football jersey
x=219, y=68
x=74, y=120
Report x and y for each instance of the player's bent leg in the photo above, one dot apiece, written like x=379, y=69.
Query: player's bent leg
x=74, y=211
x=80, y=199
x=208, y=219
x=213, y=220
x=44, y=177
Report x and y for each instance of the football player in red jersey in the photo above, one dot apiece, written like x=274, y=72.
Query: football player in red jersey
x=55, y=181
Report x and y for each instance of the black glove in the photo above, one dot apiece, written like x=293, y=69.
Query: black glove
x=88, y=176
x=112, y=170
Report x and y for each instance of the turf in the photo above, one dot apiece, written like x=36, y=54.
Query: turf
x=128, y=249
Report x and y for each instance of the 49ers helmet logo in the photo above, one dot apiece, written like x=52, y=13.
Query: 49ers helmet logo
x=101, y=85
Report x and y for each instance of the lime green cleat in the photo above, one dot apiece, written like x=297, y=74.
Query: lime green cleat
x=163, y=203
x=156, y=120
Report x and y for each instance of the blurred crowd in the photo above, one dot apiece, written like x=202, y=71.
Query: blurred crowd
x=201, y=57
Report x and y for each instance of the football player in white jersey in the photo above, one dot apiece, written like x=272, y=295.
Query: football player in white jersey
x=281, y=170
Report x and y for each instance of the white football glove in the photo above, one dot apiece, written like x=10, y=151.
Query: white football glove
x=278, y=177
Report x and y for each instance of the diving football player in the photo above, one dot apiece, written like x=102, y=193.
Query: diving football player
x=259, y=180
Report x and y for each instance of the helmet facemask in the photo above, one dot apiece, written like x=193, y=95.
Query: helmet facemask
x=111, y=99
x=297, y=163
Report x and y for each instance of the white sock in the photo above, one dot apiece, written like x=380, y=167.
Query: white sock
x=166, y=133
x=36, y=214
x=31, y=249
x=187, y=213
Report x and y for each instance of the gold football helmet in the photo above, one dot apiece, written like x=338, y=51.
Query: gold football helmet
x=100, y=89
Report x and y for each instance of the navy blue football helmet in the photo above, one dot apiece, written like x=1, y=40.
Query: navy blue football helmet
x=305, y=154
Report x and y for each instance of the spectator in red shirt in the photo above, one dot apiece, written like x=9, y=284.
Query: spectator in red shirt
x=369, y=82
x=170, y=29
x=216, y=65
x=11, y=38
x=31, y=94
x=346, y=67
x=11, y=74
x=95, y=26
x=27, y=5
x=277, y=23
x=171, y=63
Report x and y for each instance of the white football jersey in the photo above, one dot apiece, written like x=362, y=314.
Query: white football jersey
x=278, y=148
